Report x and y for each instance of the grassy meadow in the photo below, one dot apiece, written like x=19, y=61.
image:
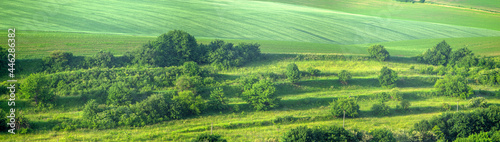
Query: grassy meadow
x=284, y=29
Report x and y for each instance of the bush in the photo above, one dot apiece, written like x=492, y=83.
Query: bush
x=292, y=73
x=188, y=83
x=382, y=135
x=35, y=87
x=121, y=94
x=438, y=55
x=344, y=77
x=396, y=95
x=3, y=120
x=480, y=137
x=209, y=138
x=478, y=102
x=446, y=106
x=387, y=77
x=331, y=133
x=261, y=95
x=382, y=97
x=405, y=105
x=455, y=86
x=217, y=99
x=350, y=106
x=380, y=109
x=378, y=52
x=190, y=102
x=313, y=71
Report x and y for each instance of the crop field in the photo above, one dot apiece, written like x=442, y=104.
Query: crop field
x=327, y=35
x=250, y=20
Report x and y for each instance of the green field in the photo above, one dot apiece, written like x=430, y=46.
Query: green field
x=235, y=20
x=284, y=29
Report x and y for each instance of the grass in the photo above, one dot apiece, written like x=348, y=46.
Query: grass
x=307, y=102
x=412, y=11
x=253, y=20
x=473, y=4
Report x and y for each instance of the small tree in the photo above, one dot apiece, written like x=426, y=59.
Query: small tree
x=35, y=87
x=313, y=71
x=190, y=102
x=350, y=106
x=90, y=110
x=120, y=94
x=388, y=77
x=261, y=96
x=191, y=69
x=378, y=52
x=455, y=86
x=209, y=138
x=217, y=99
x=344, y=77
x=293, y=73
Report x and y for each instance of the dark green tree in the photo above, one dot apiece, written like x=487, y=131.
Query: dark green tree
x=312, y=71
x=387, y=77
x=439, y=55
x=344, y=77
x=380, y=109
x=217, y=99
x=378, y=52
x=209, y=138
x=350, y=106
x=120, y=94
x=190, y=102
x=292, y=73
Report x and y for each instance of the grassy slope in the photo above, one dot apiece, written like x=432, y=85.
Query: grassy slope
x=409, y=11
x=475, y=4
x=307, y=100
x=234, y=19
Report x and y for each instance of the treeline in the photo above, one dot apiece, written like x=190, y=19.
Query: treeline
x=170, y=49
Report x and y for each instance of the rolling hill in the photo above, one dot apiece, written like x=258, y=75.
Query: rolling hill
x=229, y=19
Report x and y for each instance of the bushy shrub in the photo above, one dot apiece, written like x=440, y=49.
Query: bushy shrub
x=387, y=77
x=396, y=94
x=313, y=71
x=217, y=99
x=190, y=102
x=292, y=73
x=446, y=106
x=438, y=55
x=478, y=137
x=205, y=137
x=378, y=52
x=121, y=94
x=477, y=102
x=404, y=105
x=380, y=109
x=382, y=135
x=455, y=86
x=261, y=95
x=331, y=133
x=344, y=77
x=383, y=97
x=350, y=106
x=188, y=83
x=35, y=87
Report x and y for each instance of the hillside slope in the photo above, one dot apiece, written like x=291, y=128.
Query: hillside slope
x=230, y=19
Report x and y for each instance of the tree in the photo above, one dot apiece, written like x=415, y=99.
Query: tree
x=185, y=82
x=455, y=86
x=378, y=52
x=439, y=55
x=293, y=73
x=102, y=59
x=190, y=102
x=217, y=99
x=458, y=55
x=344, y=77
x=35, y=87
x=58, y=60
x=349, y=105
x=388, y=77
x=382, y=135
x=261, y=96
x=191, y=69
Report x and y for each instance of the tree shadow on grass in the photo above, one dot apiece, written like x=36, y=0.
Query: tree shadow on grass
x=414, y=110
x=69, y=102
x=398, y=59
x=328, y=83
x=417, y=81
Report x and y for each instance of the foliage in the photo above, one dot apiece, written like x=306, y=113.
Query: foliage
x=477, y=102
x=450, y=126
x=3, y=120
x=217, y=99
x=292, y=73
x=438, y=55
x=378, y=52
x=190, y=83
x=121, y=94
x=3, y=62
x=35, y=87
x=350, y=106
x=478, y=137
x=344, y=77
x=396, y=94
x=102, y=59
x=380, y=109
x=382, y=135
x=313, y=71
x=209, y=138
x=404, y=105
x=383, y=97
x=261, y=95
x=387, y=77
x=446, y=106
x=330, y=133
x=194, y=104
x=91, y=109
x=455, y=86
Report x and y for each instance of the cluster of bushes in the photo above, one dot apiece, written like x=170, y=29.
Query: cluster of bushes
x=450, y=126
x=259, y=92
x=378, y=52
x=455, y=86
x=170, y=49
x=330, y=133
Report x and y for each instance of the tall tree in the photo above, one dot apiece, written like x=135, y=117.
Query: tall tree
x=378, y=52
